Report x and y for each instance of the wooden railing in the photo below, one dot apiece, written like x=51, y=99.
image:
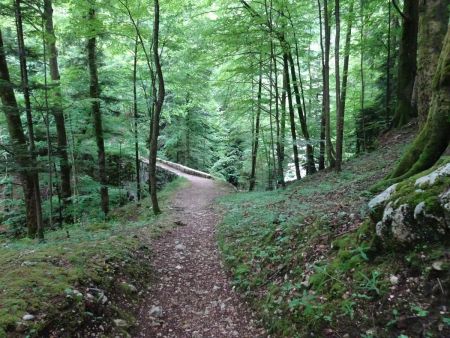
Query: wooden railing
x=167, y=165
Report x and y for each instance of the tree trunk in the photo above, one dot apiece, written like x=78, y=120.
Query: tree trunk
x=310, y=166
x=323, y=120
x=388, y=66
x=287, y=89
x=66, y=190
x=30, y=127
x=434, y=137
x=346, y=63
x=279, y=140
x=407, y=64
x=326, y=87
x=252, y=179
x=161, y=93
x=22, y=156
x=339, y=113
x=433, y=21
x=97, y=117
x=136, y=117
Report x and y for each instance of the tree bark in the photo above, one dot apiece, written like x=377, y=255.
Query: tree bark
x=157, y=111
x=136, y=117
x=22, y=156
x=339, y=113
x=287, y=89
x=97, y=116
x=66, y=190
x=255, y=145
x=346, y=62
x=407, y=64
x=279, y=135
x=326, y=87
x=433, y=21
x=434, y=137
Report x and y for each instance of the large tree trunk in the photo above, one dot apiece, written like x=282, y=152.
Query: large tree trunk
x=433, y=21
x=58, y=113
x=434, y=137
x=22, y=156
x=407, y=64
x=287, y=89
x=97, y=117
x=255, y=143
x=157, y=112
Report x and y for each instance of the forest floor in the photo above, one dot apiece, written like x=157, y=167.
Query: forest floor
x=190, y=294
x=309, y=262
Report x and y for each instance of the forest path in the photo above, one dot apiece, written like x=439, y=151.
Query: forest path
x=190, y=294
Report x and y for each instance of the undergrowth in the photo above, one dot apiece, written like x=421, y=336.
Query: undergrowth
x=308, y=260
x=80, y=274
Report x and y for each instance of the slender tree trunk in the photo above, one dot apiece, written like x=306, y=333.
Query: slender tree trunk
x=136, y=117
x=434, y=137
x=310, y=166
x=346, y=60
x=326, y=87
x=407, y=65
x=339, y=113
x=47, y=130
x=433, y=23
x=323, y=119
x=66, y=190
x=252, y=182
x=363, y=84
x=388, y=65
x=287, y=89
x=279, y=141
x=97, y=117
x=161, y=93
x=26, y=94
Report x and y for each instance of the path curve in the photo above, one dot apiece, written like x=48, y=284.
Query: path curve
x=190, y=295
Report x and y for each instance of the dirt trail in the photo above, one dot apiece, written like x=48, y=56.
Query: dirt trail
x=191, y=295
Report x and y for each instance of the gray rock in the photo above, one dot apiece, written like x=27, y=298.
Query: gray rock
x=180, y=247
x=377, y=203
x=155, y=311
x=28, y=317
x=432, y=177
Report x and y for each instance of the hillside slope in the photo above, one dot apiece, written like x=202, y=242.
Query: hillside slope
x=310, y=263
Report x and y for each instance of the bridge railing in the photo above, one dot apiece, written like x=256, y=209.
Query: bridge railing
x=179, y=167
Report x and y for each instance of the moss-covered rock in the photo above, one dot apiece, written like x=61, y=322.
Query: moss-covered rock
x=415, y=210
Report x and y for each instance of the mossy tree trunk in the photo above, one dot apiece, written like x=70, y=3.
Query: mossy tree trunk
x=434, y=137
x=407, y=64
x=433, y=21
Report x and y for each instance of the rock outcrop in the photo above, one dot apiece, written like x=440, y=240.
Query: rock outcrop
x=415, y=210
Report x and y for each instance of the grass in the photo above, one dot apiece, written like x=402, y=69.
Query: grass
x=310, y=264
x=46, y=279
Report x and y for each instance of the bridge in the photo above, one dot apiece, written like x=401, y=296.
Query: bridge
x=177, y=169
